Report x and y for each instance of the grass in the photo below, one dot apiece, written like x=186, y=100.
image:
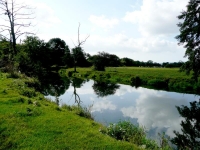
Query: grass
x=29, y=121
x=170, y=79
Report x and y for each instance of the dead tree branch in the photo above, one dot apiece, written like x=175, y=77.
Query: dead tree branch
x=14, y=16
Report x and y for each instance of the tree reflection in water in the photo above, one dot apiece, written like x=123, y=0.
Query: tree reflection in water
x=103, y=89
x=77, y=83
x=53, y=84
x=190, y=136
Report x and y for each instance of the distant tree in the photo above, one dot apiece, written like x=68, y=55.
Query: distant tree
x=15, y=17
x=77, y=49
x=190, y=37
x=80, y=57
x=113, y=61
x=60, y=52
x=172, y=65
x=34, y=57
x=149, y=63
x=100, y=61
x=190, y=136
x=127, y=62
x=103, y=59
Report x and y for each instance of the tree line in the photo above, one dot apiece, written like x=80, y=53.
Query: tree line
x=37, y=56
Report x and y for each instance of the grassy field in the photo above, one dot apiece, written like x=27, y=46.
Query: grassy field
x=29, y=121
x=159, y=78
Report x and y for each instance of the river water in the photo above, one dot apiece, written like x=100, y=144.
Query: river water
x=153, y=109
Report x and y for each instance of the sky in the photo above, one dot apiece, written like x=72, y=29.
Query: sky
x=138, y=29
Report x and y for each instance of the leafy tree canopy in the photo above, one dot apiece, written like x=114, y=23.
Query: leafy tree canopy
x=190, y=37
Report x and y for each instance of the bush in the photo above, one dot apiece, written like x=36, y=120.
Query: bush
x=135, y=81
x=126, y=131
x=158, y=83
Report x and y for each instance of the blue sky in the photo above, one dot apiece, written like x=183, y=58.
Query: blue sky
x=139, y=29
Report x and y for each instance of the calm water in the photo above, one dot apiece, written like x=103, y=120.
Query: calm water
x=153, y=109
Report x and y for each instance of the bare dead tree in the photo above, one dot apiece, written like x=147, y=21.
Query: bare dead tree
x=78, y=47
x=15, y=17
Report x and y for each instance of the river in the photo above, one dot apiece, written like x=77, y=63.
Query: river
x=153, y=109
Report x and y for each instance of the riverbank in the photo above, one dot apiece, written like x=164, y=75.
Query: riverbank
x=29, y=121
x=169, y=79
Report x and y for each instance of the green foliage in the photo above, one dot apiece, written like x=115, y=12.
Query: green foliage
x=103, y=59
x=60, y=53
x=126, y=131
x=16, y=75
x=79, y=58
x=164, y=141
x=34, y=57
x=189, y=138
x=189, y=36
x=135, y=81
x=158, y=83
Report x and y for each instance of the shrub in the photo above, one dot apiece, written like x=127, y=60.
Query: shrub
x=126, y=131
x=158, y=83
x=135, y=81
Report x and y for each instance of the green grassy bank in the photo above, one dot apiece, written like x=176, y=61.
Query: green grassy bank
x=157, y=78
x=29, y=121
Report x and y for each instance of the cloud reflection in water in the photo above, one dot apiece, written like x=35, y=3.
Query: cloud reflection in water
x=156, y=110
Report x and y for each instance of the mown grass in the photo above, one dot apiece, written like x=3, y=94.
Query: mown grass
x=29, y=121
x=170, y=79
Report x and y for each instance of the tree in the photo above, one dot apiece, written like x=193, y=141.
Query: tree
x=189, y=138
x=103, y=59
x=60, y=52
x=34, y=57
x=100, y=61
x=127, y=61
x=12, y=29
x=80, y=57
x=77, y=49
x=149, y=63
x=190, y=37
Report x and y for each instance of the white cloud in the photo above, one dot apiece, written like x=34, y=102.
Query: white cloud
x=144, y=44
x=103, y=22
x=45, y=17
x=103, y=105
x=157, y=17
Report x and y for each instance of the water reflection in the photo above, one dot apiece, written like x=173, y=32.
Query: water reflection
x=156, y=111
x=150, y=108
x=190, y=137
x=77, y=83
x=53, y=84
x=103, y=89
